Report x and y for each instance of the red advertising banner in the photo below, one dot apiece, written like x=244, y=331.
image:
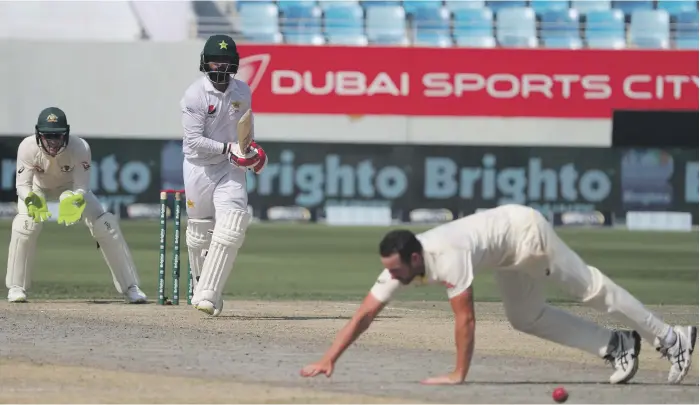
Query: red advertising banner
x=467, y=82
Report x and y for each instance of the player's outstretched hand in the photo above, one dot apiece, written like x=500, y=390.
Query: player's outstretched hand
x=453, y=378
x=70, y=208
x=321, y=367
x=36, y=207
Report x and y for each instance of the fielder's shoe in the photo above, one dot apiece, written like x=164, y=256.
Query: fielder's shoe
x=623, y=355
x=134, y=295
x=681, y=353
x=16, y=294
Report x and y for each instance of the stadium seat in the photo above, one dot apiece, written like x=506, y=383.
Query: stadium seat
x=241, y=3
x=432, y=26
x=605, y=29
x=381, y=3
x=344, y=25
x=287, y=4
x=687, y=30
x=675, y=7
x=629, y=6
x=650, y=29
x=560, y=29
x=585, y=6
x=516, y=27
x=412, y=6
x=327, y=4
x=454, y=5
x=259, y=21
x=542, y=6
x=497, y=5
x=304, y=39
x=386, y=25
x=474, y=28
x=301, y=20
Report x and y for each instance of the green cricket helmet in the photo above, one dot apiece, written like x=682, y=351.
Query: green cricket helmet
x=52, y=131
x=219, y=59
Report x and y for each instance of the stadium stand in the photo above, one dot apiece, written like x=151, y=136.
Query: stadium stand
x=575, y=24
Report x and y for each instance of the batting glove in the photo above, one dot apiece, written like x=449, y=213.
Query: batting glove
x=36, y=207
x=254, y=157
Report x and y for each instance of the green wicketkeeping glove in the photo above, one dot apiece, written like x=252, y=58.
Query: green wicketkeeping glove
x=70, y=208
x=37, y=208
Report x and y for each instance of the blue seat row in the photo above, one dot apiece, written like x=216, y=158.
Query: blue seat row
x=351, y=24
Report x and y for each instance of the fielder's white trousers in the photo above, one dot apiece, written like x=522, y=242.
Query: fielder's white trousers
x=548, y=258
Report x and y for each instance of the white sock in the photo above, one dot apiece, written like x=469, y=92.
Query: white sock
x=670, y=338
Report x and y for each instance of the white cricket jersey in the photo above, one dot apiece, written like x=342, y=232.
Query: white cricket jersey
x=497, y=238
x=210, y=119
x=70, y=169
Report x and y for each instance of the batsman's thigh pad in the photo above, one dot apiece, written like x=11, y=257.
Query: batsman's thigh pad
x=22, y=251
x=231, y=192
x=198, y=235
x=200, y=182
x=228, y=237
x=527, y=311
x=105, y=229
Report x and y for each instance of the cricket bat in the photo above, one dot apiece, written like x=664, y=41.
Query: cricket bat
x=245, y=131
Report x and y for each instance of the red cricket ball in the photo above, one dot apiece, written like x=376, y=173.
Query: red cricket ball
x=560, y=395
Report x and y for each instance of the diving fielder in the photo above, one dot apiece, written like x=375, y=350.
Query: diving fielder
x=214, y=170
x=52, y=164
x=525, y=252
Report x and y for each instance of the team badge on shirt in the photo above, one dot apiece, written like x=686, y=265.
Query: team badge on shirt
x=66, y=168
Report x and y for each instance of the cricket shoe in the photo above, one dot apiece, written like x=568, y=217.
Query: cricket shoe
x=209, y=308
x=623, y=355
x=16, y=295
x=680, y=354
x=134, y=295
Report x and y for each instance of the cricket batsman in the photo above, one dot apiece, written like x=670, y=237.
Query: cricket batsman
x=52, y=164
x=218, y=146
x=525, y=252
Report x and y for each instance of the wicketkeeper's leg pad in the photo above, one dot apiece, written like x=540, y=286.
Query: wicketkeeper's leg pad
x=228, y=237
x=105, y=229
x=198, y=236
x=22, y=251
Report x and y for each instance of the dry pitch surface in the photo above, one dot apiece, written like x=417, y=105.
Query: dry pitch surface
x=78, y=352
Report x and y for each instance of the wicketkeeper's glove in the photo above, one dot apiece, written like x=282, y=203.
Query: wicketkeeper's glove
x=70, y=208
x=36, y=207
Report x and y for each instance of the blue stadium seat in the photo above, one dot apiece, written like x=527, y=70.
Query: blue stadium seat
x=454, y=5
x=344, y=24
x=629, y=6
x=305, y=39
x=687, y=30
x=474, y=28
x=605, y=29
x=560, y=29
x=650, y=29
x=676, y=7
x=432, y=26
x=497, y=5
x=386, y=25
x=327, y=4
x=516, y=27
x=302, y=20
x=240, y=3
x=586, y=6
x=412, y=6
x=259, y=21
x=287, y=4
x=381, y=3
x=542, y=6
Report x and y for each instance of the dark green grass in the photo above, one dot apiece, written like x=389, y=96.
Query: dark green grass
x=324, y=263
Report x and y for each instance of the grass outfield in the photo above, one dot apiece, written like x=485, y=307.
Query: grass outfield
x=324, y=263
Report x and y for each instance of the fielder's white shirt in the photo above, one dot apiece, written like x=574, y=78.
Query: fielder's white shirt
x=455, y=251
x=70, y=169
x=210, y=119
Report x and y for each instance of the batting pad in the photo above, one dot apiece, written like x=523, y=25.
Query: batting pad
x=198, y=236
x=229, y=233
x=22, y=251
x=105, y=230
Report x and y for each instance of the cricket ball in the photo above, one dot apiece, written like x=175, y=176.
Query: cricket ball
x=560, y=395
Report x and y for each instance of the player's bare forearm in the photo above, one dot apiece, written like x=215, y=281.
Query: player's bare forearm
x=465, y=326
x=359, y=323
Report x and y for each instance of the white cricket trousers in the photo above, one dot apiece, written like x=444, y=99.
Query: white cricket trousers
x=550, y=259
x=214, y=188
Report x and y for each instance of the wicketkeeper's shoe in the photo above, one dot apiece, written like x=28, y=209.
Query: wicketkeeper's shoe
x=623, y=355
x=16, y=294
x=134, y=295
x=681, y=353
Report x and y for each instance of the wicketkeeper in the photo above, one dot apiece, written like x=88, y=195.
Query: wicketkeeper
x=525, y=252
x=52, y=164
